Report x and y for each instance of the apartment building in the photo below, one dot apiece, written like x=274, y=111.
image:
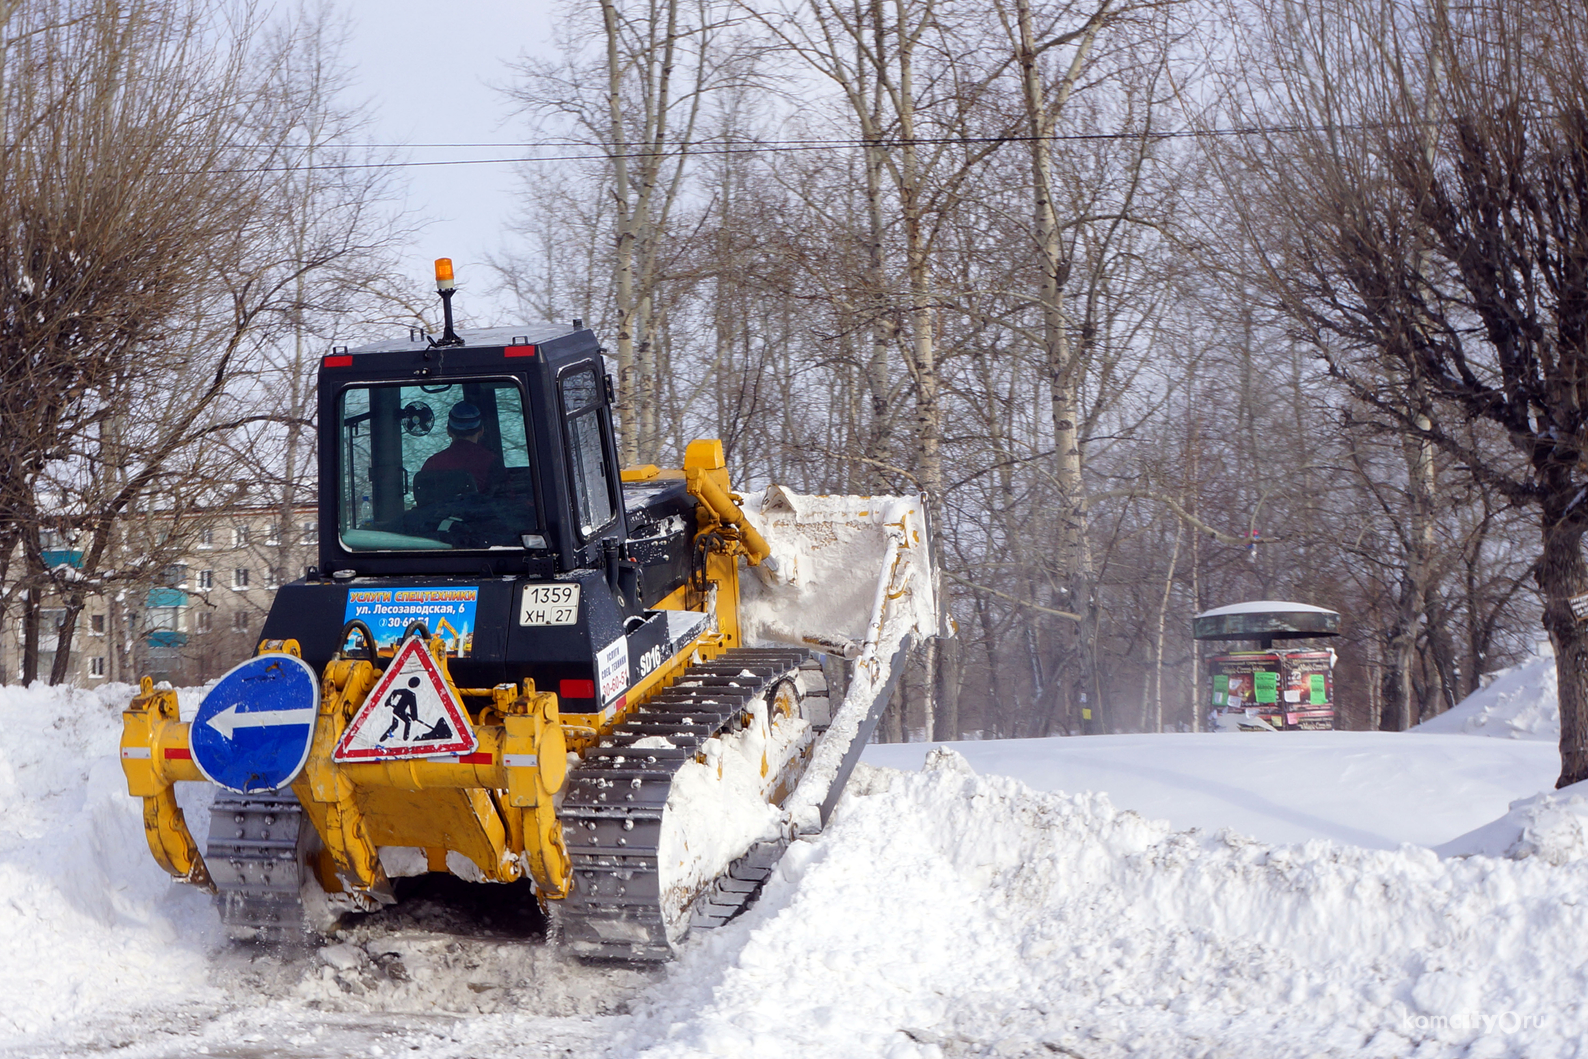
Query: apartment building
x=199, y=618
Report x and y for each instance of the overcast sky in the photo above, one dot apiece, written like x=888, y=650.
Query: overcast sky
x=424, y=67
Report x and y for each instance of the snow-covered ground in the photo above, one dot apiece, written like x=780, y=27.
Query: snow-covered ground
x=972, y=908
x=1372, y=789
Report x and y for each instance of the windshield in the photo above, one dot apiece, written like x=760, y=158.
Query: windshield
x=437, y=466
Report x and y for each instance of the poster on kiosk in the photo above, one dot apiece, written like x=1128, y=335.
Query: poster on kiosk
x=1285, y=689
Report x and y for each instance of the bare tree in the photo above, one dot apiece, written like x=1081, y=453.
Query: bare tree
x=331, y=210
x=1427, y=236
x=121, y=189
x=1039, y=263
x=142, y=269
x=640, y=101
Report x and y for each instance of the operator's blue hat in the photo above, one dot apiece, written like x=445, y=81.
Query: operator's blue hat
x=464, y=418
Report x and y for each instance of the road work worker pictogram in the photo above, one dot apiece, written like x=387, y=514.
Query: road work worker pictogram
x=411, y=712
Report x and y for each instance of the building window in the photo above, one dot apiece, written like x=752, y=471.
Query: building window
x=311, y=533
x=273, y=534
x=50, y=621
x=272, y=579
x=96, y=666
x=239, y=536
x=206, y=538
x=162, y=619
x=175, y=575
x=203, y=621
x=96, y=624
x=206, y=580
x=240, y=621
x=240, y=577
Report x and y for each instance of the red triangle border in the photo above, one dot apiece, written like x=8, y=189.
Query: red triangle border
x=464, y=744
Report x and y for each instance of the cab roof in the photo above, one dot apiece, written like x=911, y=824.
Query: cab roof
x=516, y=335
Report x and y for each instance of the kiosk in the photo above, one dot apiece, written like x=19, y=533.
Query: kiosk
x=1270, y=689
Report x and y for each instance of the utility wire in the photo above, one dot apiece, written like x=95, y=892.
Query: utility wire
x=703, y=148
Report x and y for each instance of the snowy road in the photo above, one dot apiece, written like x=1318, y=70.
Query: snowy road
x=390, y=993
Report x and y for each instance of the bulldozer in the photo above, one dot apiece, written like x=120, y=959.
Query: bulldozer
x=515, y=659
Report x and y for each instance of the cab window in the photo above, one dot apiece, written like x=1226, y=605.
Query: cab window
x=587, y=457
x=435, y=467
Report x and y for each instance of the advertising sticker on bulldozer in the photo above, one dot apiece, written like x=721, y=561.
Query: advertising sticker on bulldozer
x=613, y=669
x=390, y=611
x=410, y=713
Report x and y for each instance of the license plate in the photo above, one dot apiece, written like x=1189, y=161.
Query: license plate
x=556, y=604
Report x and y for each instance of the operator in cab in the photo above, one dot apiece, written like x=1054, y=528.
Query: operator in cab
x=466, y=426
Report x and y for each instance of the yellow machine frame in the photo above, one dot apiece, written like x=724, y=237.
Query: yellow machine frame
x=494, y=806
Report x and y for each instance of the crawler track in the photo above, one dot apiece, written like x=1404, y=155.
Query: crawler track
x=614, y=800
x=255, y=857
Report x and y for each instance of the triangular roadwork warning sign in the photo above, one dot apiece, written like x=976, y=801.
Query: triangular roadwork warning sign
x=410, y=713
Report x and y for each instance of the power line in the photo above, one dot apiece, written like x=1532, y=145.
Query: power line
x=707, y=148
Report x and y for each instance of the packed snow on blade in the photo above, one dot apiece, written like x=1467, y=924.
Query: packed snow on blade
x=852, y=578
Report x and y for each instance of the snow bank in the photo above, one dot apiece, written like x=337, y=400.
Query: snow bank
x=1521, y=702
x=1552, y=825
x=1371, y=789
x=942, y=914
x=87, y=920
x=949, y=914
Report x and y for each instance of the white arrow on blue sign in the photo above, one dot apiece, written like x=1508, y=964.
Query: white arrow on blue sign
x=252, y=731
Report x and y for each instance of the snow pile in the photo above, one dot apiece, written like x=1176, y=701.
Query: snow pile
x=949, y=914
x=1552, y=825
x=88, y=919
x=1519, y=703
x=941, y=914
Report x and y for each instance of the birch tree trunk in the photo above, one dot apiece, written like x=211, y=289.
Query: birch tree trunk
x=648, y=143
x=1163, y=613
x=923, y=317
x=1042, y=110
x=623, y=251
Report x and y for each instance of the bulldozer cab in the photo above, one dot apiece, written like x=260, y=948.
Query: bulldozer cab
x=487, y=469
x=492, y=457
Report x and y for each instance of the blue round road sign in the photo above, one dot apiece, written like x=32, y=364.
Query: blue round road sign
x=252, y=731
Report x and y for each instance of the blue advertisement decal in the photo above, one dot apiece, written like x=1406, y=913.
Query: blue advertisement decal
x=448, y=612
